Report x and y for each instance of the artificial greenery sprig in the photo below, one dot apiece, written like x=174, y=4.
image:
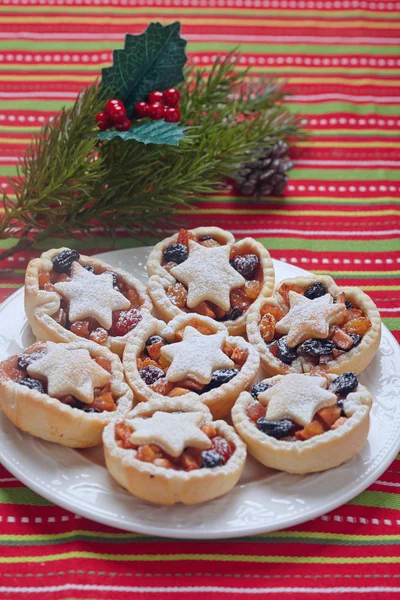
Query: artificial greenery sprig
x=69, y=183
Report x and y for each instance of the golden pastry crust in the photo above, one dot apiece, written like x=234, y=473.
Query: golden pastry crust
x=49, y=419
x=219, y=400
x=167, y=486
x=357, y=359
x=318, y=453
x=40, y=305
x=160, y=279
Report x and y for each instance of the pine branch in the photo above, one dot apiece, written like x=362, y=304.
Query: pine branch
x=67, y=182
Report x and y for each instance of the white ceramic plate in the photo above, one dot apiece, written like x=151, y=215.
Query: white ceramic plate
x=264, y=500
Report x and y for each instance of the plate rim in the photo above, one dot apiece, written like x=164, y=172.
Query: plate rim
x=168, y=532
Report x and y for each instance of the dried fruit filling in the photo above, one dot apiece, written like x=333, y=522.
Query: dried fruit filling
x=191, y=459
x=326, y=419
x=342, y=337
x=247, y=264
x=123, y=321
x=15, y=368
x=153, y=367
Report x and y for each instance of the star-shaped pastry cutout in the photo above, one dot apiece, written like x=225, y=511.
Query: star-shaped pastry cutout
x=91, y=295
x=309, y=318
x=69, y=372
x=173, y=432
x=296, y=397
x=196, y=356
x=208, y=275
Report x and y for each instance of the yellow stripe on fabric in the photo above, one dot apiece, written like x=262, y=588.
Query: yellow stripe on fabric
x=241, y=558
x=381, y=83
x=277, y=23
x=380, y=288
x=44, y=78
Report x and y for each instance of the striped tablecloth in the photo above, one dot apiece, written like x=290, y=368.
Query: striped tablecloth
x=339, y=216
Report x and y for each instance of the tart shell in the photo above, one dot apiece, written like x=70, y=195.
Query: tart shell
x=40, y=305
x=356, y=360
x=319, y=453
x=219, y=400
x=49, y=419
x=160, y=279
x=167, y=486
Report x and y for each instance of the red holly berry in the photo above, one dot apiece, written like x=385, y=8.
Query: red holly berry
x=171, y=97
x=172, y=115
x=156, y=96
x=101, y=116
x=102, y=122
x=156, y=111
x=141, y=109
x=124, y=126
x=115, y=111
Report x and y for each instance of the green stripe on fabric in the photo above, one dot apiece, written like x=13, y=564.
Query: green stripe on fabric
x=279, y=243
x=124, y=538
x=34, y=105
x=392, y=323
x=265, y=49
x=279, y=70
x=328, y=174
x=22, y=495
x=378, y=499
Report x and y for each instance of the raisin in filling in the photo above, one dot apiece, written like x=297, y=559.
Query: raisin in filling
x=342, y=338
x=124, y=321
x=15, y=368
x=248, y=265
x=326, y=419
x=153, y=367
x=191, y=459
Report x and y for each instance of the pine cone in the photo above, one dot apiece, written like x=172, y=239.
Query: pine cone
x=264, y=174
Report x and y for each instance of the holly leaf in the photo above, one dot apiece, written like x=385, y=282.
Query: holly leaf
x=149, y=61
x=158, y=132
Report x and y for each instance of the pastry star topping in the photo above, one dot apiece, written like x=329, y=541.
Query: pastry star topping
x=309, y=318
x=208, y=275
x=69, y=372
x=173, y=432
x=296, y=397
x=196, y=356
x=91, y=295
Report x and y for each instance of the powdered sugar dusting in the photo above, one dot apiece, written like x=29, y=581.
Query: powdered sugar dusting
x=173, y=432
x=196, y=356
x=91, y=295
x=69, y=372
x=309, y=318
x=208, y=275
x=296, y=397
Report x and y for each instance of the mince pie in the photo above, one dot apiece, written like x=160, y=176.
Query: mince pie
x=190, y=355
x=310, y=324
x=302, y=423
x=64, y=393
x=205, y=271
x=69, y=296
x=168, y=451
